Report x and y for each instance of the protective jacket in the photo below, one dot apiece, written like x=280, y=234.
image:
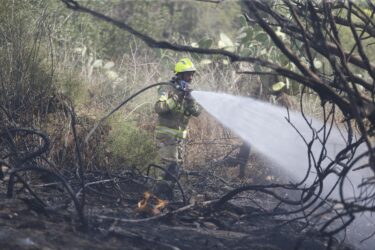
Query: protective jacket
x=174, y=109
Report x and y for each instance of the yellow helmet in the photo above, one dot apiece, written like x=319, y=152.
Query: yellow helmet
x=184, y=65
x=278, y=86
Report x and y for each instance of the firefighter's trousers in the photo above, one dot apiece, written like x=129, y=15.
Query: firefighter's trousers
x=170, y=150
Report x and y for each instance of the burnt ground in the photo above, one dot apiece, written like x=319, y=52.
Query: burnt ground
x=115, y=222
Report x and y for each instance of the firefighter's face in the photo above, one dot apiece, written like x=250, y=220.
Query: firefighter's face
x=187, y=76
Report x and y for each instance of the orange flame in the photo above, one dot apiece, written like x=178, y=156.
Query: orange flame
x=151, y=204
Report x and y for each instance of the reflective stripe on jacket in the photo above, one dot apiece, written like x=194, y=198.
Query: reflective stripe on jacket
x=174, y=111
x=182, y=134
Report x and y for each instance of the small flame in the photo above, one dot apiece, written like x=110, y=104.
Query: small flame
x=151, y=204
x=142, y=204
x=161, y=204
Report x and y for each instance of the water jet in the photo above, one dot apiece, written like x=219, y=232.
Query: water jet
x=294, y=142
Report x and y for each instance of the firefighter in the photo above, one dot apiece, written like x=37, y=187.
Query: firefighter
x=279, y=97
x=174, y=107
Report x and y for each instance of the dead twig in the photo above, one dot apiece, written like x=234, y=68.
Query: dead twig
x=180, y=210
x=174, y=178
x=119, y=106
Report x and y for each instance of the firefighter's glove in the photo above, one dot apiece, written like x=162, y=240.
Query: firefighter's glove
x=192, y=108
x=188, y=95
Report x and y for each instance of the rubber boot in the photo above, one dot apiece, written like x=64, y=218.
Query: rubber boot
x=163, y=190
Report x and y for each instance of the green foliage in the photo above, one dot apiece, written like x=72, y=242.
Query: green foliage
x=129, y=144
x=72, y=87
x=347, y=39
x=27, y=81
x=205, y=43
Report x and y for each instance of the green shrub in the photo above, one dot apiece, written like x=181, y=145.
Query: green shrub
x=73, y=87
x=130, y=145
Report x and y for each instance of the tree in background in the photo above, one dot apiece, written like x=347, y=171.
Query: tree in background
x=308, y=43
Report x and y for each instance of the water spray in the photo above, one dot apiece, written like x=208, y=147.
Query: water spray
x=294, y=142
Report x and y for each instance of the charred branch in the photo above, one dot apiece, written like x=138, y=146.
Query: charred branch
x=314, y=29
